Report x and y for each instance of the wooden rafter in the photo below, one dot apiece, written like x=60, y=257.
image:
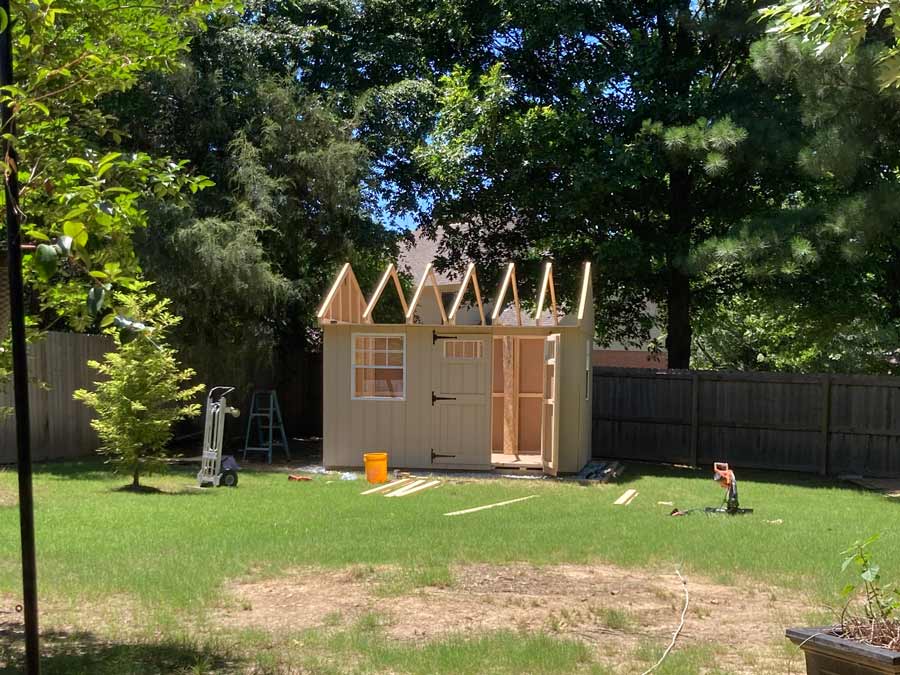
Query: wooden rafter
x=389, y=274
x=586, y=292
x=427, y=275
x=344, y=302
x=509, y=279
x=547, y=282
x=470, y=276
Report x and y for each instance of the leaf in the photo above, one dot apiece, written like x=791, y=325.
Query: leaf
x=871, y=574
x=77, y=161
x=109, y=157
x=4, y=20
x=45, y=261
x=77, y=231
x=107, y=320
x=847, y=590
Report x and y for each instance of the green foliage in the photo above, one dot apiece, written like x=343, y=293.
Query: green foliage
x=80, y=202
x=882, y=601
x=837, y=28
x=143, y=389
x=293, y=197
x=758, y=331
x=627, y=137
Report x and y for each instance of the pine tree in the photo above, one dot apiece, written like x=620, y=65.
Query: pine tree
x=143, y=389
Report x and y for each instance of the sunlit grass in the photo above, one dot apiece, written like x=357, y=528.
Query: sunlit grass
x=176, y=548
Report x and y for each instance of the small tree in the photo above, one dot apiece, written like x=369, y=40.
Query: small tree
x=143, y=391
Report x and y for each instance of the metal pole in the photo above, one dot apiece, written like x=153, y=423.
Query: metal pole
x=20, y=364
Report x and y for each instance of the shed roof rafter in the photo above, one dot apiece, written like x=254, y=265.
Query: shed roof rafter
x=390, y=274
x=509, y=279
x=471, y=276
x=547, y=284
x=344, y=302
x=427, y=276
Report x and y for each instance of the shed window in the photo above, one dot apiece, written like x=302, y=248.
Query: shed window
x=467, y=350
x=379, y=366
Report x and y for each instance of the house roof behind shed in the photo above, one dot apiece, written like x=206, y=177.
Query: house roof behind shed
x=415, y=256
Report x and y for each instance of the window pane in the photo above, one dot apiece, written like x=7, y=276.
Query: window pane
x=389, y=382
x=378, y=366
x=463, y=349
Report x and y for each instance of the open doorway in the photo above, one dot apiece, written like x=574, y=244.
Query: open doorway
x=516, y=401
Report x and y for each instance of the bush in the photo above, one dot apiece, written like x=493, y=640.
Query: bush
x=143, y=391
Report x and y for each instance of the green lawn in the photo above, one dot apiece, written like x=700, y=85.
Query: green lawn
x=170, y=553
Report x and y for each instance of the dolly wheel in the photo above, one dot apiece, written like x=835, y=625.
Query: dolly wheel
x=228, y=478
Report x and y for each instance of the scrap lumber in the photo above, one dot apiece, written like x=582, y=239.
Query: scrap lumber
x=386, y=486
x=412, y=488
x=489, y=506
x=405, y=487
x=626, y=498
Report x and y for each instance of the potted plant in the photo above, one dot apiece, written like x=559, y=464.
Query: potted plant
x=866, y=638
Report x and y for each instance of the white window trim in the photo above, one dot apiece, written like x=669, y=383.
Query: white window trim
x=353, y=367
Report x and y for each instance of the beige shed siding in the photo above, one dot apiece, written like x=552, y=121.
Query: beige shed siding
x=403, y=427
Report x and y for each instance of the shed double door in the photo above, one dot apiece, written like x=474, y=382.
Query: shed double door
x=460, y=399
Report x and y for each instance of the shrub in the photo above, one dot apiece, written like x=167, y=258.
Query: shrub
x=143, y=390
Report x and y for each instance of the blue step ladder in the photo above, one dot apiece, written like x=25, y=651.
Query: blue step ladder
x=264, y=425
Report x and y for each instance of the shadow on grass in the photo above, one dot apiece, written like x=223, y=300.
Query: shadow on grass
x=636, y=469
x=82, y=652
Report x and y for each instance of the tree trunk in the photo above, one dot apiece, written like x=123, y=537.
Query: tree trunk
x=678, y=326
x=678, y=299
x=135, y=479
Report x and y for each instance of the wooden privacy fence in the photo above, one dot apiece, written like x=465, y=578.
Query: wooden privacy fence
x=828, y=424
x=60, y=425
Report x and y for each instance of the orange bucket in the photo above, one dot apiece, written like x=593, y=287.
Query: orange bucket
x=376, y=464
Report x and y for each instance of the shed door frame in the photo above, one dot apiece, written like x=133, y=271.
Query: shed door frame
x=454, y=440
x=550, y=404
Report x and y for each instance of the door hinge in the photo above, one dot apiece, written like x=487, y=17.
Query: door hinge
x=435, y=455
x=435, y=398
x=435, y=337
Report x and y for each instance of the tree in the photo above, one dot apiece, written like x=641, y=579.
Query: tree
x=295, y=191
x=143, y=389
x=629, y=133
x=831, y=253
x=762, y=331
x=80, y=197
x=837, y=28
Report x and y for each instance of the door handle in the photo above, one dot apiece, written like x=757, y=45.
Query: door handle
x=435, y=398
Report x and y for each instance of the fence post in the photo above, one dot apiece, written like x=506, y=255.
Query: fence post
x=826, y=424
x=695, y=419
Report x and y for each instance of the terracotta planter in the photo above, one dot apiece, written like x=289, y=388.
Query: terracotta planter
x=830, y=655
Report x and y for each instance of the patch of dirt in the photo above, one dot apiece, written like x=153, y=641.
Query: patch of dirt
x=8, y=497
x=604, y=605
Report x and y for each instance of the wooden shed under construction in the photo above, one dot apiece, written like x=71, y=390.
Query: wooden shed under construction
x=476, y=385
